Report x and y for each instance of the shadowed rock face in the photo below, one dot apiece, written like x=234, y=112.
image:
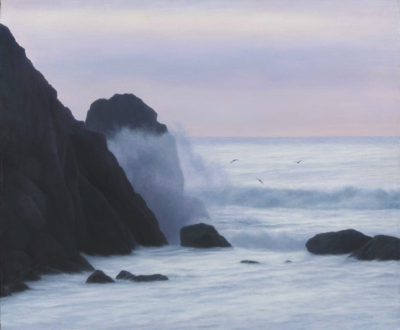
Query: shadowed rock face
x=108, y=116
x=380, y=247
x=340, y=242
x=63, y=191
x=202, y=236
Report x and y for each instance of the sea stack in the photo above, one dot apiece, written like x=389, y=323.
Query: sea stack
x=149, y=155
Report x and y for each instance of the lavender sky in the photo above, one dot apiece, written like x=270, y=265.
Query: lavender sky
x=224, y=68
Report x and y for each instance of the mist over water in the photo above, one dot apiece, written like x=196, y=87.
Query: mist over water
x=152, y=165
x=341, y=184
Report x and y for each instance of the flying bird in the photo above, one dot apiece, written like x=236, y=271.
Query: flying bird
x=299, y=161
x=235, y=160
x=260, y=180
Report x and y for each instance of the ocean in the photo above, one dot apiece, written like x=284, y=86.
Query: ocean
x=340, y=183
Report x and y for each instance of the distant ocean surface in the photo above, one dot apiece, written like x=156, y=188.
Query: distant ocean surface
x=340, y=183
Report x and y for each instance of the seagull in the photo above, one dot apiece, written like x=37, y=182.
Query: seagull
x=260, y=180
x=235, y=160
x=299, y=161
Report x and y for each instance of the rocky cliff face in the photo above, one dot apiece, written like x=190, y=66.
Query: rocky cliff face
x=149, y=156
x=62, y=191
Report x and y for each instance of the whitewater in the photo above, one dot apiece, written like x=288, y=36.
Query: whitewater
x=341, y=183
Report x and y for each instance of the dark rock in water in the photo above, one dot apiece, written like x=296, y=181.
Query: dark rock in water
x=125, y=275
x=17, y=286
x=149, y=278
x=126, y=110
x=340, y=242
x=202, y=236
x=249, y=262
x=149, y=156
x=288, y=262
x=380, y=247
x=98, y=276
x=63, y=191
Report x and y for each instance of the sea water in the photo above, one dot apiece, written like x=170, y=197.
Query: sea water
x=340, y=183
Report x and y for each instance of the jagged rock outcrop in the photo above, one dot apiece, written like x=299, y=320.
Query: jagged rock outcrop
x=202, y=235
x=149, y=156
x=63, y=191
x=339, y=242
x=109, y=116
x=380, y=247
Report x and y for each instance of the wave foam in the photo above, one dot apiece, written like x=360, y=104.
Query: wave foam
x=345, y=198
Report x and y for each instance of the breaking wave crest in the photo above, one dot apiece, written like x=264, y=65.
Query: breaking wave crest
x=344, y=198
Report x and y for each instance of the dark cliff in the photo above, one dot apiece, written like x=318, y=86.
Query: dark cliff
x=62, y=190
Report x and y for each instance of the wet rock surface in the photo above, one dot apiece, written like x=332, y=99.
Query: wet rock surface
x=125, y=275
x=99, y=276
x=380, y=247
x=339, y=242
x=202, y=236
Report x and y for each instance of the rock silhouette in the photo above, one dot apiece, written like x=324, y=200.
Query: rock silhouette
x=380, y=247
x=340, y=242
x=202, y=236
x=98, y=276
x=125, y=275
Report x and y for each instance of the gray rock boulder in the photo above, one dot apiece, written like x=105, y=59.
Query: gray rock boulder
x=202, y=236
x=99, y=276
x=339, y=242
x=380, y=247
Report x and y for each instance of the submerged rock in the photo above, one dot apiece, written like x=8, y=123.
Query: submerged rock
x=249, y=262
x=125, y=275
x=340, y=242
x=380, y=247
x=202, y=236
x=99, y=276
x=149, y=278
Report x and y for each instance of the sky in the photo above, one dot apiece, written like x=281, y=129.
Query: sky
x=224, y=68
